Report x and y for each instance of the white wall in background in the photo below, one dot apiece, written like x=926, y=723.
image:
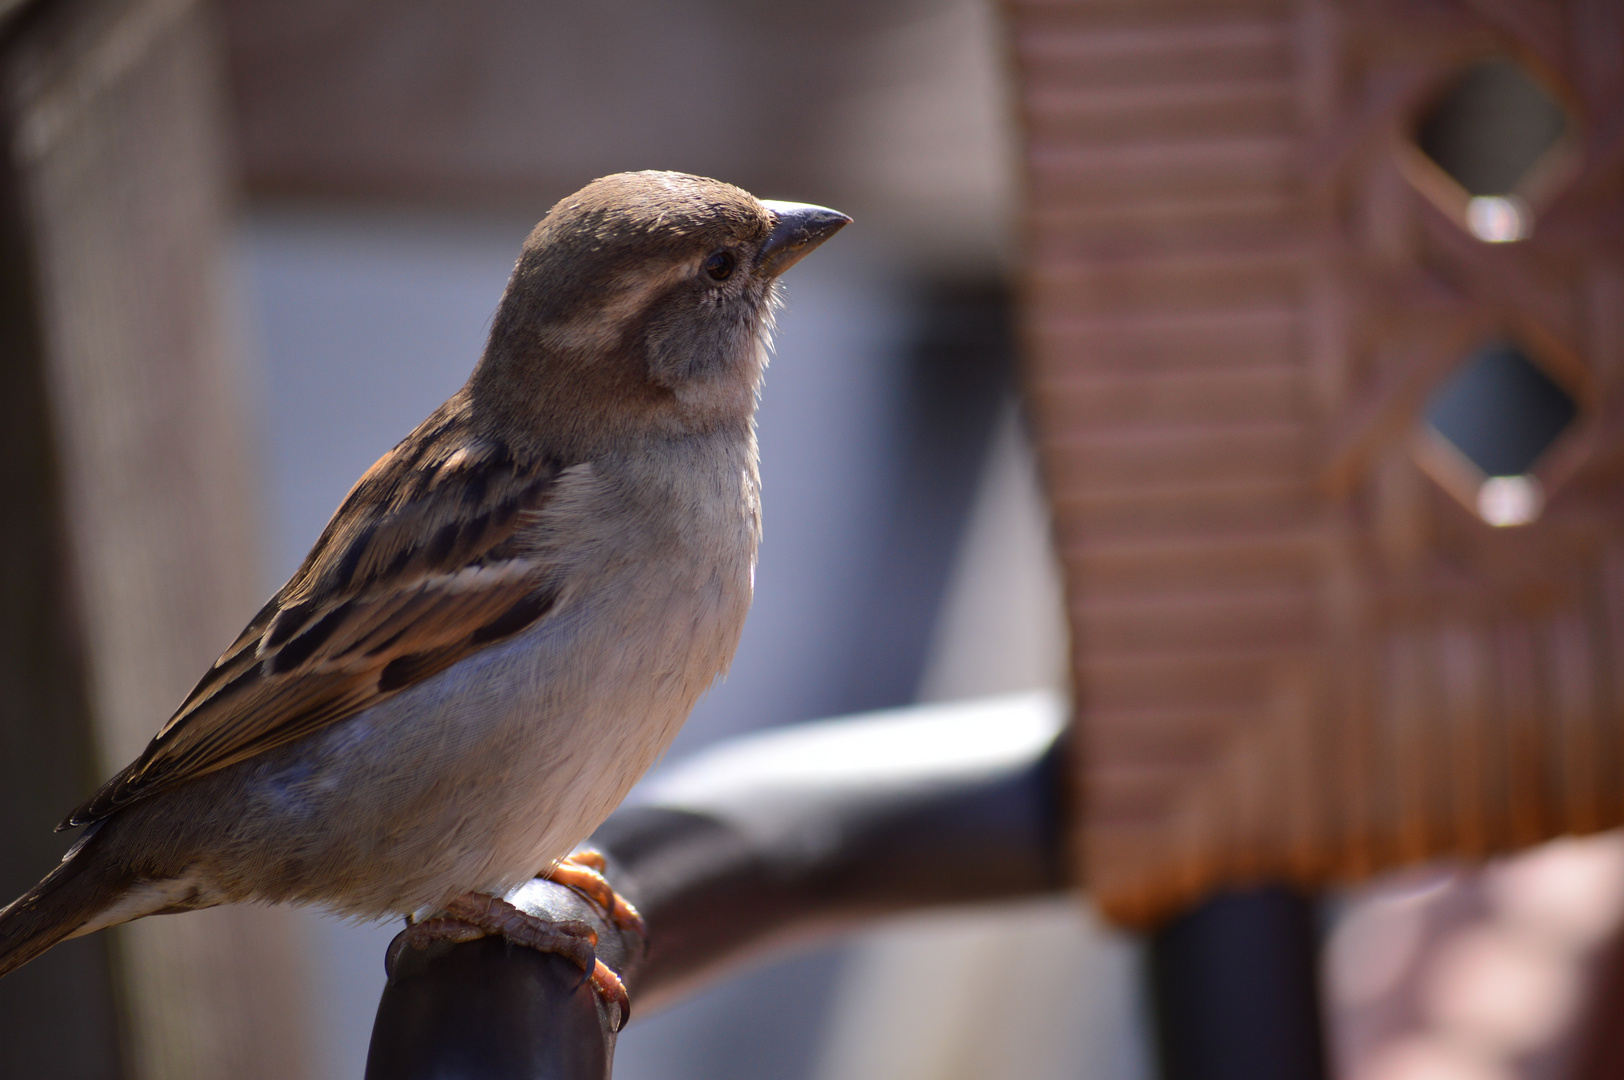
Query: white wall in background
x=1002, y=627
x=1041, y=990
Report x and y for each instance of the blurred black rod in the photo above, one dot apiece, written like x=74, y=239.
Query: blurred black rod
x=1234, y=989
x=771, y=838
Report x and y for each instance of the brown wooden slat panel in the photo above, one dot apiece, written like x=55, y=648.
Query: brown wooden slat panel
x=1220, y=684
x=1170, y=562
x=1170, y=53
x=1164, y=455
x=1135, y=502
x=1268, y=333
x=1170, y=217
x=1113, y=626
x=1269, y=393
x=1209, y=238
x=1180, y=530
x=1139, y=792
x=1149, y=171
x=1106, y=279
x=1070, y=14
x=1251, y=105
x=1341, y=674
x=1189, y=733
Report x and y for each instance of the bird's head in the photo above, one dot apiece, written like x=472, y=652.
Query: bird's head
x=642, y=303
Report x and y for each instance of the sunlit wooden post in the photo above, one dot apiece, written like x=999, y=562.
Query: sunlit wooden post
x=130, y=528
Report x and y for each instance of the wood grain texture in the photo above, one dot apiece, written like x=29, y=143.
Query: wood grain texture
x=1297, y=654
x=57, y=1016
x=124, y=191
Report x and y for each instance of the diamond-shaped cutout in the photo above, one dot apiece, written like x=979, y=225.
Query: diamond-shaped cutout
x=1491, y=127
x=1490, y=131
x=1501, y=413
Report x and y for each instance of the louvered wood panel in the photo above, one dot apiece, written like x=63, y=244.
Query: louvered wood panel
x=1297, y=654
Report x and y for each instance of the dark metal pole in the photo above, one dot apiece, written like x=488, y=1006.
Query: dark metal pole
x=787, y=835
x=1235, y=989
x=486, y=1010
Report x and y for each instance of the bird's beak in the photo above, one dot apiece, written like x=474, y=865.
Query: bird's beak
x=797, y=229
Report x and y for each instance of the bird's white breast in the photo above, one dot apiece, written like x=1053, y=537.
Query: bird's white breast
x=497, y=767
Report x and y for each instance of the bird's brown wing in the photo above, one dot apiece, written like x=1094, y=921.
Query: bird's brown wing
x=420, y=567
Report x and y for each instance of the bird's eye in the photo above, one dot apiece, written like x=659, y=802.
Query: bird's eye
x=720, y=265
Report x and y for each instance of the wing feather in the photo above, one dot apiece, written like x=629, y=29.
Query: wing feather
x=423, y=564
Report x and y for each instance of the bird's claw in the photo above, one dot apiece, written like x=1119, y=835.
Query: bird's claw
x=472, y=916
x=611, y=991
x=582, y=872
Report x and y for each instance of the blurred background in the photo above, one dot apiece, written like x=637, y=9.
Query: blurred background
x=1184, y=357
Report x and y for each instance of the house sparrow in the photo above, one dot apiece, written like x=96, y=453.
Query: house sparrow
x=506, y=621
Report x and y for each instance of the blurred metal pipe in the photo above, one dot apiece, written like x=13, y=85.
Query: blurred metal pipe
x=767, y=839
x=1234, y=987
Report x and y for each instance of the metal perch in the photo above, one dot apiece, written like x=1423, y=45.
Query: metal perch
x=772, y=838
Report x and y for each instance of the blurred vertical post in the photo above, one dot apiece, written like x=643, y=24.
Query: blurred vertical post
x=57, y=1016
x=1234, y=989
x=129, y=513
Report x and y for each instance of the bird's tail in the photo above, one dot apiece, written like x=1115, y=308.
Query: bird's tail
x=70, y=898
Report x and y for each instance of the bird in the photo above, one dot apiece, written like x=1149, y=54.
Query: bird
x=505, y=622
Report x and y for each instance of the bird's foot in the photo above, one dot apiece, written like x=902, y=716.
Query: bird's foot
x=582, y=871
x=476, y=915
